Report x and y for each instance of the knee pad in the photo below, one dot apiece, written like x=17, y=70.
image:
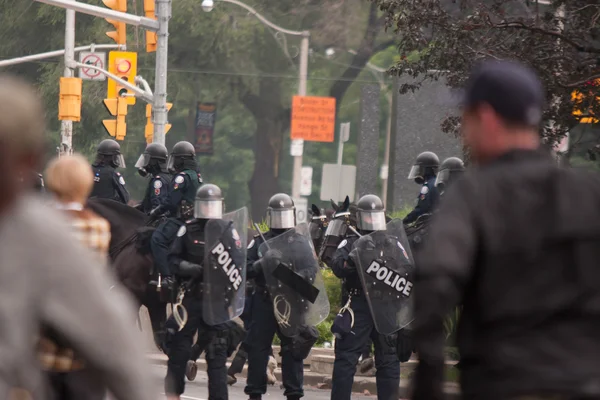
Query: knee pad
x=303, y=342
x=235, y=336
x=218, y=346
x=404, y=345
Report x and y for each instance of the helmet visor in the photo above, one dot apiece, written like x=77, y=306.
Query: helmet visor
x=143, y=161
x=171, y=163
x=119, y=161
x=445, y=176
x=208, y=209
x=281, y=219
x=336, y=227
x=417, y=171
x=371, y=221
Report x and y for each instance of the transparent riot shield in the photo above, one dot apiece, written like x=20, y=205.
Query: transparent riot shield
x=224, y=285
x=386, y=268
x=294, y=280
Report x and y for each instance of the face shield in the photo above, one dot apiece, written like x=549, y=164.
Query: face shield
x=208, y=209
x=281, y=219
x=337, y=227
x=171, y=163
x=143, y=161
x=371, y=221
x=417, y=172
x=119, y=161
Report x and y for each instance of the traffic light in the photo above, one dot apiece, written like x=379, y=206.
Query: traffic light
x=149, y=132
x=577, y=97
x=116, y=128
x=69, y=103
x=149, y=10
x=124, y=65
x=119, y=35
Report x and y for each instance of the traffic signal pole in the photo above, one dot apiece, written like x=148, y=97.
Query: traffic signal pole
x=66, y=128
x=160, y=110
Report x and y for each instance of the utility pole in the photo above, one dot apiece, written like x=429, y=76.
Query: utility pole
x=66, y=129
x=160, y=110
x=302, y=89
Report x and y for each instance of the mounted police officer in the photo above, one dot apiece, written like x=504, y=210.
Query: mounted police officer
x=424, y=173
x=284, y=243
x=187, y=261
x=108, y=183
x=179, y=204
x=450, y=170
x=358, y=321
x=153, y=163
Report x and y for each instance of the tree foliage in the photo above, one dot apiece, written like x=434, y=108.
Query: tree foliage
x=445, y=38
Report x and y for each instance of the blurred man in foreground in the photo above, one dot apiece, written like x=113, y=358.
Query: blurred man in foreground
x=50, y=280
x=517, y=242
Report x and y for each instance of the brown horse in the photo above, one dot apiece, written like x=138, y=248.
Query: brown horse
x=132, y=259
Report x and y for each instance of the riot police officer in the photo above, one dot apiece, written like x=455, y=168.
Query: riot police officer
x=424, y=173
x=281, y=216
x=179, y=205
x=108, y=183
x=348, y=347
x=186, y=260
x=153, y=163
x=39, y=183
x=450, y=170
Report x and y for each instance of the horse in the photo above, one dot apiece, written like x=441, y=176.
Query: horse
x=317, y=227
x=343, y=217
x=132, y=258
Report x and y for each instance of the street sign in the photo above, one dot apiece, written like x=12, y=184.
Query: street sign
x=97, y=59
x=313, y=118
x=297, y=148
x=301, y=210
x=337, y=182
x=306, y=181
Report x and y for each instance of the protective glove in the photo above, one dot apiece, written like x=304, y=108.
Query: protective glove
x=273, y=254
x=258, y=266
x=189, y=270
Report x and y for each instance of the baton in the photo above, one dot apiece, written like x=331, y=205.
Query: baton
x=354, y=230
x=261, y=235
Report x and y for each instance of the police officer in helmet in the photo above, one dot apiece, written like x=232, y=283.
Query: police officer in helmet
x=153, y=163
x=179, y=203
x=349, y=346
x=450, y=170
x=424, y=173
x=281, y=216
x=186, y=260
x=108, y=183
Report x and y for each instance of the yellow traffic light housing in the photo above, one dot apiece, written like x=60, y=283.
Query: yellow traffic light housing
x=577, y=97
x=149, y=131
x=149, y=11
x=124, y=65
x=119, y=35
x=69, y=103
x=116, y=128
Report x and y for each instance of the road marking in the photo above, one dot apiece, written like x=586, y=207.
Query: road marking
x=189, y=397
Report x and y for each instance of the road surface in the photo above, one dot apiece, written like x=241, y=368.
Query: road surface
x=197, y=390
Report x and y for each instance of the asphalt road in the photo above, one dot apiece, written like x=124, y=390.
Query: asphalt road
x=197, y=390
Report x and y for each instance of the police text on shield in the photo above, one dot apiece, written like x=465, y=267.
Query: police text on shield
x=226, y=263
x=390, y=278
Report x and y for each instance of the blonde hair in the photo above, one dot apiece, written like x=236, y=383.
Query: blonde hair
x=70, y=178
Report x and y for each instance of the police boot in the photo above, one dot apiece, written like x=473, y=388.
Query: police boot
x=271, y=378
x=191, y=369
x=231, y=380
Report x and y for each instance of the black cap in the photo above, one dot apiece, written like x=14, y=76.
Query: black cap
x=513, y=90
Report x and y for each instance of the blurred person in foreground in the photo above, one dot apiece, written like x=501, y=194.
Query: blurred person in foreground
x=48, y=279
x=517, y=243
x=70, y=180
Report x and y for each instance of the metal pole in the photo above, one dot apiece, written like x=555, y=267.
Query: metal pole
x=386, y=155
x=302, y=89
x=66, y=128
x=159, y=108
x=57, y=53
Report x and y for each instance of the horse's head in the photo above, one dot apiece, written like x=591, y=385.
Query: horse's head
x=317, y=226
x=337, y=228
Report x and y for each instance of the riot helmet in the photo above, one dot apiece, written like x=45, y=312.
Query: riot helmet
x=425, y=167
x=370, y=213
x=209, y=202
x=153, y=160
x=450, y=170
x=281, y=213
x=181, y=152
x=109, y=151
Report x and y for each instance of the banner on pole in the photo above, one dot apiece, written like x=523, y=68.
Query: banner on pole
x=206, y=116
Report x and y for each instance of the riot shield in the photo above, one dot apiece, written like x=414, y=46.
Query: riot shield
x=224, y=285
x=386, y=268
x=294, y=280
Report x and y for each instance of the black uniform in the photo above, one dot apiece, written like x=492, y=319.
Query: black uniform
x=263, y=327
x=156, y=193
x=349, y=348
x=426, y=202
x=109, y=184
x=517, y=242
x=188, y=248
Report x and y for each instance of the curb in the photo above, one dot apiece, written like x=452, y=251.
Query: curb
x=321, y=381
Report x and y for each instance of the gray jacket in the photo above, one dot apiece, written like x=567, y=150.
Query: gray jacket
x=47, y=278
